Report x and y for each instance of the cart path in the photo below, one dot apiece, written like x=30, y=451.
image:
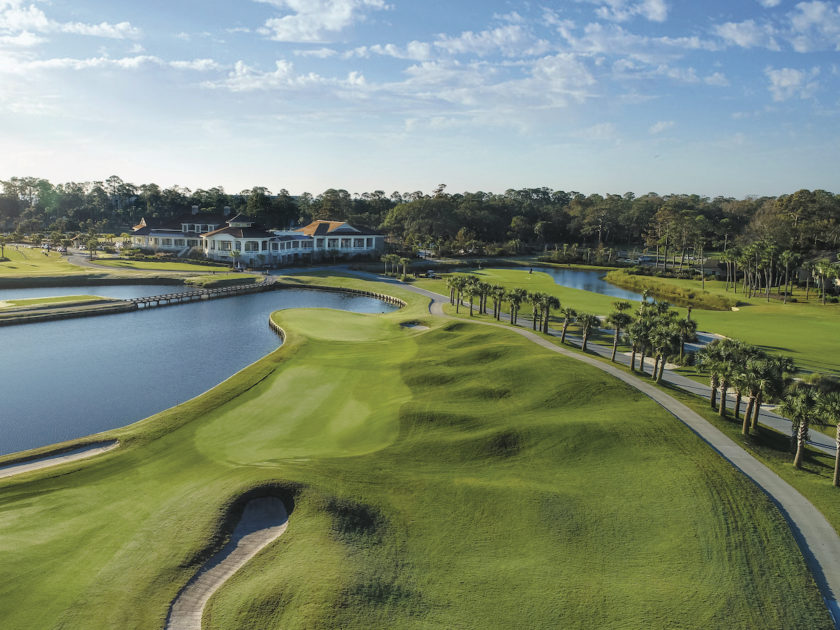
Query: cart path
x=817, y=539
x=54, y=460
x=262, y=522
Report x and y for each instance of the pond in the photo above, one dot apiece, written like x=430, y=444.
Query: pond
x=589, y=281
x=66, y=379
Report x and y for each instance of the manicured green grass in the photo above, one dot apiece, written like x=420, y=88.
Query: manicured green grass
x=25, y=261
x=222, y=280
x=151, y=265
x=60, y=299
x=767, y=445
x=807, y=332
x=459, y=477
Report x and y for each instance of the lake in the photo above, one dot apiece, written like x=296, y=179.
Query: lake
x=589, y=281
x=66, y=379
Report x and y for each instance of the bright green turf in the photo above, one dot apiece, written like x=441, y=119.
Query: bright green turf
x=26, y=261
x=151, y=265
x=458, y=477
x=60, y=299
x=808, y=332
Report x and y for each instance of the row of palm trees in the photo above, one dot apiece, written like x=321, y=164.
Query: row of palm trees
x=804, y=404
x=753, y=373
x=393, y=262
x=763, y=265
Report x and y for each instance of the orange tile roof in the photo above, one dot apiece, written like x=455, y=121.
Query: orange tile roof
x=310, y=229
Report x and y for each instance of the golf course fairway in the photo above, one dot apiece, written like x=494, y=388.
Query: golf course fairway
x=456, y=477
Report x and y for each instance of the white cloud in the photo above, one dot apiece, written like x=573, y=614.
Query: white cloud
x=24, y=39
x=198, y=65
x=510, y=40
x=16, y=18
x=769, y=4
x=414, y=51
x=815, y=26
x=747, y=34
x=623, y=10
x=320, y=53
x=716, y=78
x=315, y=20
x=662, y=125
x=244, y=78
x=786, y=83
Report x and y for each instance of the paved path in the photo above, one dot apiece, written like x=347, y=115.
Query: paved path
x=262, y=522
x=817, y=539
x=62, y=458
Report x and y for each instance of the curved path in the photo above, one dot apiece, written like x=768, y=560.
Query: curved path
x=819, y=542
x=262, y=522
x=61, y=458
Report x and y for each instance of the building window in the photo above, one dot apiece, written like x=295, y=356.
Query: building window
x=345, y=242
x=369, y=242
x=193, y=242
x=332, y=243
x=295, y=245
x=166, y=242
x=179, y=242
x=307, y=244
x=252, y=246
x=224, y=246
x=275, y=247
x=239, y=246
x=319, y=243
x=358, y=242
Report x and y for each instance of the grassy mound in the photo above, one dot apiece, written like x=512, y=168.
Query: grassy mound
x=457, y=477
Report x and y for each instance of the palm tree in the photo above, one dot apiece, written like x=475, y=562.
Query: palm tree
x=708, y=358
x=460, y=283
x=825, y=270
x=515, y=298
x=548, y=302
x=799, y=406
x=569, y=315
x=536, y=302
x=404, y=262
x=587, y=322
x=450, y=284
x=687, y=331
x=498, y=292
x=619, y=320
x=471, y=290
x=772, y=381
x=484, y=289
x=829, y=410
x=637, y=331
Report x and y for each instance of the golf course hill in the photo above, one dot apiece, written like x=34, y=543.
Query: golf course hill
x=438, y=475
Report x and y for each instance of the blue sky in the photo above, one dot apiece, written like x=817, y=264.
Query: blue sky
x=714, y=98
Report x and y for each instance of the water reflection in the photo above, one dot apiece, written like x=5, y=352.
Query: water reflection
x=66, y=379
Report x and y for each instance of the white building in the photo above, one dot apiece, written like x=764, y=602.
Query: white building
x=239, y=240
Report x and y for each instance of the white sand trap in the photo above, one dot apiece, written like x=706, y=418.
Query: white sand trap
x=54, y=460
x=414, y=326
x=262, y=522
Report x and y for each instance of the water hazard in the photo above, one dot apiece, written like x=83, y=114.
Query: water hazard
x=588, y=281
x=66, y=379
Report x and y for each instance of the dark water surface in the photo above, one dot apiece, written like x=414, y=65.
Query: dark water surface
x=66, y=379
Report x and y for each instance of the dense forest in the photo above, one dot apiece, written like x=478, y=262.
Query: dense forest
x=517, y=221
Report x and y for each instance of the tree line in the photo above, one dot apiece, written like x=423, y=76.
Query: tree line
x=656, y=331
x=470, y=223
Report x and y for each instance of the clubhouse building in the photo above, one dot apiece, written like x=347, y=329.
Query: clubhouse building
x=240, y=241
